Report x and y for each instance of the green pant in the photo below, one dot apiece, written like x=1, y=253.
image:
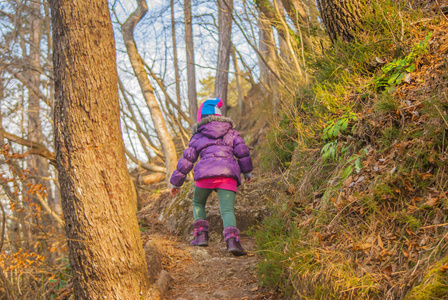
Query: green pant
x=226, y=205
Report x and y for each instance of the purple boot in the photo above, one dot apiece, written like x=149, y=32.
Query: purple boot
x=232, y=238
x=200, y=231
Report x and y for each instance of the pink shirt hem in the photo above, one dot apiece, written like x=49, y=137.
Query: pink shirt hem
x=224, y=183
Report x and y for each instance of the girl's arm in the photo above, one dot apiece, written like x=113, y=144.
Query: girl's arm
x=241, y=151
x=185, y=164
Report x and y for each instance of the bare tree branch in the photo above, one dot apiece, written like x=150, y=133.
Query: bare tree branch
x=30, y=86
x=34, y=148
x=49, y=210
x=145, y=166
x=127, y=30
x=165, y=92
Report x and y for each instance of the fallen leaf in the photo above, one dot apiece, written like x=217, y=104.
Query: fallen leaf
x=380, y=242
x=379, y=60
x=405, y=253
x=361, y=246
x=388, y=271
x=291, y=190
x=426, y=175
x=407, y=78
x=417, y=199
x=431, y=201
x=360, y=179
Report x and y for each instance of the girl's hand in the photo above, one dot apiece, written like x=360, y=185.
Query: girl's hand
x=247, y=180
x=174, y=191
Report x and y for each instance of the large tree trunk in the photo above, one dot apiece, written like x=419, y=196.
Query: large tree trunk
x=168, y=148
x=341, y=17
x=225, y=8
x=191, y=73
x=106, y=254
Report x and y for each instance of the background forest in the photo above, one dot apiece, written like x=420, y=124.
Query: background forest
x=343, y=104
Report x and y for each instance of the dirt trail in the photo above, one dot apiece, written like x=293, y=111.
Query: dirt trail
x=201, y=272
x=212, y=273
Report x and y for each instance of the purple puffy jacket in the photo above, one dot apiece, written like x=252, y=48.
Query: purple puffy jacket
x=217, y=143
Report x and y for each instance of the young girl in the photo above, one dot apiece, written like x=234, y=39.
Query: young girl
x=217, y=143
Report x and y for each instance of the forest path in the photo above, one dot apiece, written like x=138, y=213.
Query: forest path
x=205, y=272
x=212, y=273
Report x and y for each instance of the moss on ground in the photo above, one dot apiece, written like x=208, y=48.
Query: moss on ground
x=434, y=285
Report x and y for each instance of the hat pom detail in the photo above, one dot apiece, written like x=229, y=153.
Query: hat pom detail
x=210, y=107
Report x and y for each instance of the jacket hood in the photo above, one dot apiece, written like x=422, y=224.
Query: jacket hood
x=213, y=126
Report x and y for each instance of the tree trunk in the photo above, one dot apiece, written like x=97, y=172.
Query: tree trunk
x=106, y=254
x=225, y=8
x=341, y=17
x=163, y=134
x=191, y=73
x=296, y=12
x=176, y=63
x=272, y=15
x=269, y=12
x=238, y=80
x=282, y=43
x=267, y=50
x=38, y=165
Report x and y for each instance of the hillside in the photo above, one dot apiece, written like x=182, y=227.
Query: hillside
x=364, y=215
x=351, y=188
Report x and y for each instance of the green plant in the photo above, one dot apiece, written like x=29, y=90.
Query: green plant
x=331, y=132
x=335, y=126
x=355, y=163
x=394, y=73
x=329, y=150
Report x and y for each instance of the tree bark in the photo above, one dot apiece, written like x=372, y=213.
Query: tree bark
x=238, y=80
x=191, y=73
x=269, y=13
x=225, y=8
x=267, y=50
x=106, y=254
x=176, y=63
x=296, y=12
x=283, y=45
x=36, y=164
x=161, y=129
x=341, y=17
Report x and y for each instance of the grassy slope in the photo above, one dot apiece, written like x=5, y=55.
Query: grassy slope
x=363, y=218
